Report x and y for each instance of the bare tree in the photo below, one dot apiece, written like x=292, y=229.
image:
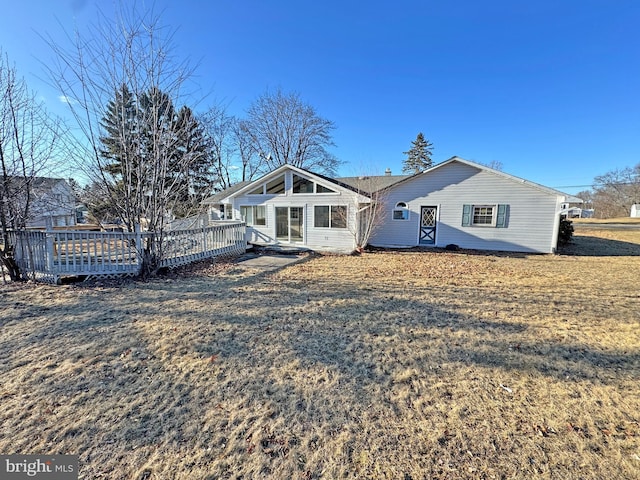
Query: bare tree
x=251, y=166
x=220, y=132
x=615, y=192
x=365, y=217
x=28, y=139
x=285, y=130
x=129, y=58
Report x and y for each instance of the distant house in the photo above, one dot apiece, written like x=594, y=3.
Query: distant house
x=635, y=210
x=573, y=211
x=51, y=201
x=455, y=202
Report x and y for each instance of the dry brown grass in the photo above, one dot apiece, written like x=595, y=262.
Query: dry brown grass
x=600, y=221
x=385, y=365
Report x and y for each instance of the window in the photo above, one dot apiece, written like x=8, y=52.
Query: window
x=485, y=216
x=257, y=191
x=275, y=186
x=322, y=189
x=253, y=215
x=330, y=216
x=302, y=185
x=401, y=212
x=228, y=212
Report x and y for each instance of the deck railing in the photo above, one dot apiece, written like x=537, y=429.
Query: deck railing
x=52, y=254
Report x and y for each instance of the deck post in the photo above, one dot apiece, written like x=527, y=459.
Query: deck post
x=49, y=247
x=204, y=240
x=139, y=247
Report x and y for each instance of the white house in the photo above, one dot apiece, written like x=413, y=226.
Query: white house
x=51, y=201
x=455, y=202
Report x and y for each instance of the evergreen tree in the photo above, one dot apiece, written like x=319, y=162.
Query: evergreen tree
x=192, y=155
x=419, y=156
x=120, y=126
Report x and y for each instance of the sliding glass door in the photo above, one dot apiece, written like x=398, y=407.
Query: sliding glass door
x=290, y=224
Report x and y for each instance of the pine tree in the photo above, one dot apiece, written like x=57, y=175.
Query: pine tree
x=419, y=156
x=120, y=126
x=192, y=155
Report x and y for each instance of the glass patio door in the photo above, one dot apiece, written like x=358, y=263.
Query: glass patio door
x=290, y=224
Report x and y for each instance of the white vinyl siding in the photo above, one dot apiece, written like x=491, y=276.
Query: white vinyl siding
x=338, y=239
x=529, y=212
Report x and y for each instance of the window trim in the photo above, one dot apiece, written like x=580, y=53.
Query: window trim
x=499, y=214
x=314, y=189
x=402, y=207
x=254, y=215
x=331, y=218
x=494, y=215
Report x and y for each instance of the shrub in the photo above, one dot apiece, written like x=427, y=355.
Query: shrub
x=565, y=233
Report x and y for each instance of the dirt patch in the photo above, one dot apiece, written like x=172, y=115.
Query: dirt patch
x=384, y=365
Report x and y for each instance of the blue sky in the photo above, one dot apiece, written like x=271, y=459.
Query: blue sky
x=551, y=89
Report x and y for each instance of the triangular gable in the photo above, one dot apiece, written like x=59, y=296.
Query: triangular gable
x=513, y=178
x=320, y=179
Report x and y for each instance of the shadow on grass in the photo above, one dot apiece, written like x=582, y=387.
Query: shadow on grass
x=588, y=246
x=169, y=361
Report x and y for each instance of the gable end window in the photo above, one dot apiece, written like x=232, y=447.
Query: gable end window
x=273, y=187
x=304, y=185
x=485, y=215
x=401, y=212
x=330, y=216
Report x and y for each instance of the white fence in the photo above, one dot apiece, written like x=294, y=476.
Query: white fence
x=52, y=254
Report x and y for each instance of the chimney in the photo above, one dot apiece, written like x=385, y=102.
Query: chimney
x=387, y=172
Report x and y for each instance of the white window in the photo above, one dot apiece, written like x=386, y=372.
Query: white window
x=253, y=214
x=330, y=216
x=228, y=211
x=304, y=185
x=401, y=212
x=484, y=215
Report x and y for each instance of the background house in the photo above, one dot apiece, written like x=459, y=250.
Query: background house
x=51, y=201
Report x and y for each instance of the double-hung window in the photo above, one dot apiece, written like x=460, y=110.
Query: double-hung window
x=487, y=215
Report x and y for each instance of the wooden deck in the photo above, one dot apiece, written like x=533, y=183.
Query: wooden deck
x=50, y=255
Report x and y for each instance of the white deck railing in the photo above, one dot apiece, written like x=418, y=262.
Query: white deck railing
x=49, y=255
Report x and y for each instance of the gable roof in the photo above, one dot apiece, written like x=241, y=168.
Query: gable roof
x=371, y=184
x=274, y=173
x=219, y=196
x=513, y=178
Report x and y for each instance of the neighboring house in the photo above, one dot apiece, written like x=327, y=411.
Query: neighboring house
x=455, y=202
x=569, y=211
x=52, y=202
x=635, y=210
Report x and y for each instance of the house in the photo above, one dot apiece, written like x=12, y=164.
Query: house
x=573, y=211
x=51, y=201
x=455, y=202
x=635, y=210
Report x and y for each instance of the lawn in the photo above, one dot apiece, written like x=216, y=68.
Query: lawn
x=397, y=365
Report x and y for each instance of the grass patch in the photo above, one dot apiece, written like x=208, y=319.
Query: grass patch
x=384, y=365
